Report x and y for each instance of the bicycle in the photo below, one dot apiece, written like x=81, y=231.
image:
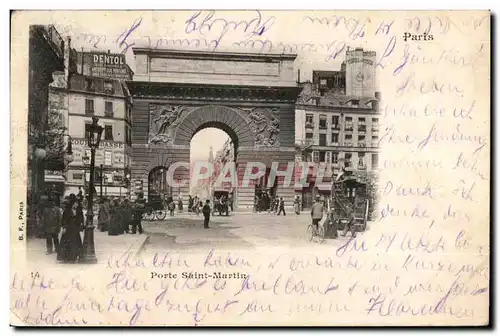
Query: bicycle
x=318, y=233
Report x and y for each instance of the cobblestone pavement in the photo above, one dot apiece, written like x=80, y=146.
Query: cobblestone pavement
x=239, y=230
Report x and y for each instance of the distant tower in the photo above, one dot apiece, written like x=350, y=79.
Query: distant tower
x=211, y=155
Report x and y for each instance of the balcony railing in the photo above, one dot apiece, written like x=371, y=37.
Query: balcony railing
x=362, y=128
x=348, y=127
x=361, y=144
x=322, y=126
x=335, y=126
x=347, y=143
x=309, y=124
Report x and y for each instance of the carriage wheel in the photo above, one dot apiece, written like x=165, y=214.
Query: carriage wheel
x=161, y=214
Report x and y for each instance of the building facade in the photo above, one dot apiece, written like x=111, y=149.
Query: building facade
x=46, y=56
x=108, y=99
x=337, y=122
x=224, y=156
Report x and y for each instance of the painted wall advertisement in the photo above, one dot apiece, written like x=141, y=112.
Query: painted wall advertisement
x=109, y=153
x=108, y=66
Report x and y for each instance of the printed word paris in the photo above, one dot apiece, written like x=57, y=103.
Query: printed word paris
x=419, y=37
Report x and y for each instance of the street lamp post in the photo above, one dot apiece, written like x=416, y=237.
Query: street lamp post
x=93, y=137
x=101, y=178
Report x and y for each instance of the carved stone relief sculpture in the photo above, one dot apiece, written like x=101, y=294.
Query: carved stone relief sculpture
x=265, y=124
x=163, y=121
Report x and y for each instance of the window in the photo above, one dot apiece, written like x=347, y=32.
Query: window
x=322, y=121
x=77, y=176
x=108, y=132
x=374, y=161
x=322, y=156
x=322, y=139
x=348, y=123
x=335, y=157
x=89, y=85
x=361, y=141
x=335, y=138
x=361, y=160
x=375, y=140
x=375, y=123
x=362, y=125
x=335, y=121
x=108, y=87
x=315, y=156
x=348, y=138
x=309, y=120
x=348, y=157
x=89, y=106
x=108, y=109
x=309, y=135
x=87, y=130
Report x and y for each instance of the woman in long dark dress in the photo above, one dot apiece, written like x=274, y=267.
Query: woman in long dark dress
x=70, y=247
x=115, y=225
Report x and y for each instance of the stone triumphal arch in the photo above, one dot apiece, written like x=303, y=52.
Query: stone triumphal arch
x=178, y=93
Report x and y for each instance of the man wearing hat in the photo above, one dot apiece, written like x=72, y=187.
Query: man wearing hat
x=317, y=212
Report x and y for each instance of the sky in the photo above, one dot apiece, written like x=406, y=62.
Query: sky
x=201, y=142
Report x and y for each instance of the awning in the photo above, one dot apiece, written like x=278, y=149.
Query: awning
x=54, y=178
x=112, y=191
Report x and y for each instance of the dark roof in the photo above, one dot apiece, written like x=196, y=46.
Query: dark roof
x=78, y=82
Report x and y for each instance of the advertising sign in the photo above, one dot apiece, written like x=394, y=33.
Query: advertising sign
x=109, y=65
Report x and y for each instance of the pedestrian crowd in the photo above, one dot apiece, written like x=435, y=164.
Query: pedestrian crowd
x=64, y=221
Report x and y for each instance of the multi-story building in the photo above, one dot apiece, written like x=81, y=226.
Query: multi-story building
x=337, y=121
x=46, y=55
x=222, y=157
x=109, y=99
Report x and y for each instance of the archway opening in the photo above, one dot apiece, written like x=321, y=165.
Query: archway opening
x=213, y=145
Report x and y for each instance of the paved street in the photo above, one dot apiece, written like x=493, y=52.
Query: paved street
x=239, y=230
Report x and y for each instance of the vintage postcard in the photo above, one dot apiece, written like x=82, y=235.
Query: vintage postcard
x=250, y=168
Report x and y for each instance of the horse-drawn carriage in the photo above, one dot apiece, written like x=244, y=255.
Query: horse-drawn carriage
x=221, y=202
x=155, y=208
x=349, y=194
